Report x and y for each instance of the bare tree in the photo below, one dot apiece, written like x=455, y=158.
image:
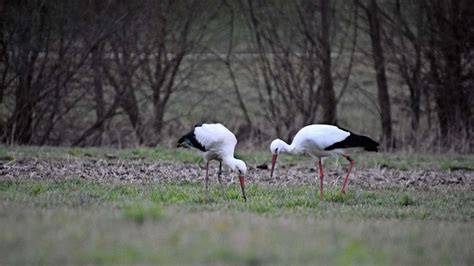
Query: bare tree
x=97, y=11
x=43, y=62
x=31, y=34
x=374, y=23
x=70, y=70
x=176, y=29
x=4, y=70
x=228, y=62
x=449, y=54
x=431, y=48
x=403, y=37
x=327, y=87
x=122, y=68
x=103, y=30
x=292, y=70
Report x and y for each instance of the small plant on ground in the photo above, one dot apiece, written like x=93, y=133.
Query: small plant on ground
x=406, y=200
x=139, y=212
x=335, y=196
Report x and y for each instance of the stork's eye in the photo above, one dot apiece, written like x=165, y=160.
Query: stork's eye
x=276, y=150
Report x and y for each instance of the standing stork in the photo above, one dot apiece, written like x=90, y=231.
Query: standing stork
x=319, y=141
x=215, y=142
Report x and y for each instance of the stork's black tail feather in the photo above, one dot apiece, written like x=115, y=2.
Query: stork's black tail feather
x=354, y=141
x=368, y=143
x=181, y=141
x=189, y=141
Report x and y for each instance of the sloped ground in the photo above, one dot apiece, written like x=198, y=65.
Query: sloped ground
x=144, y=171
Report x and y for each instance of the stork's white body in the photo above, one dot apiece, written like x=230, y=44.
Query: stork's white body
x=215, y=142
x=218, y=141
x=319, y=141
x=313, y=139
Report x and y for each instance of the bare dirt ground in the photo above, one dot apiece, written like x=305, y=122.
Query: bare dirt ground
x=143, y=171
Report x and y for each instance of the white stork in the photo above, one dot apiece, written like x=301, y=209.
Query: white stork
x=319, y=141
x=215, y=142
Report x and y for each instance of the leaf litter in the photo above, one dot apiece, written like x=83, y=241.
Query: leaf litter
x=144, y=171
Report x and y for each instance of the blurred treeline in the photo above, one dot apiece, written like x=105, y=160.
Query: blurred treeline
x=126, y=73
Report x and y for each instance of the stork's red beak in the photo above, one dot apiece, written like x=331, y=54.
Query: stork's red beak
x=274, y=160
x=242, y=186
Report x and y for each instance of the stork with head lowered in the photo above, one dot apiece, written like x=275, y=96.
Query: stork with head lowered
x=320, y=141
x=215, y=142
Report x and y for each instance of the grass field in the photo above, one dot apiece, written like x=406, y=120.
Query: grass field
x=73, y=218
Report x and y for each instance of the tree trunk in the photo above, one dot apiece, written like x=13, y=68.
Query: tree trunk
x=21, y=128
x=415, y=91
x=327, y=87
x=446, y=52
x=22, y=119
x=3, y=61
x=158, y=122
x=228, y=63
x=379, y=66
x=98, y=91
x=453, y=101
x=129, y=104
x=3, y=74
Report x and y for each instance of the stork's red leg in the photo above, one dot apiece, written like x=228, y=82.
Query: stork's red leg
x=321, y=179
x=219, y=178
x=207, y=179
x=348, y=172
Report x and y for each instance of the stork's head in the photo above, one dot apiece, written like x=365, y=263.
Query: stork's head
x=276, y=147
x=240, y=167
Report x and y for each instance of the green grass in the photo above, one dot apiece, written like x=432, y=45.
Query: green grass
x=148, y=200
x=138, y=212
x=77, y=221
x=398, y=161
x=47, y=152
x=74, y=221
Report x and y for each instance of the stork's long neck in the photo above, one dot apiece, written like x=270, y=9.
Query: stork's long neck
x=287, y=148
x=229, y=160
